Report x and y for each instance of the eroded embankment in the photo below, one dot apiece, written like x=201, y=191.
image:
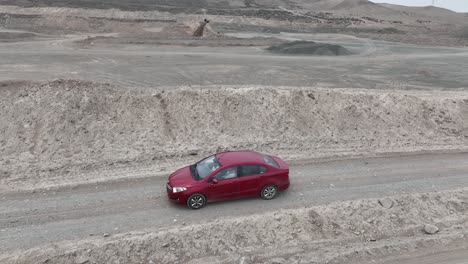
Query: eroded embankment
x=64, y=127
x=336, y=233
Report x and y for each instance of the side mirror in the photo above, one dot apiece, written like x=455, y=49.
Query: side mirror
x=214, y=181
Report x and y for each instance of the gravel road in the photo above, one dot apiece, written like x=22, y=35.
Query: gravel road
x=32, y=219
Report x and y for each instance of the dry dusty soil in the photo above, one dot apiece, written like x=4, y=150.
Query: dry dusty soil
x=101, y=100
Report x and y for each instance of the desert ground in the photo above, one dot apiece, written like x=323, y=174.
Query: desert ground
x=101, y=100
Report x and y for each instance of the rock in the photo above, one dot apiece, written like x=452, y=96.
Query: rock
x=431, y=229
x=242, y=260
x=165, y=245
x=386, y=203
x=106, y=235
x=278, y=261
x=82, y=260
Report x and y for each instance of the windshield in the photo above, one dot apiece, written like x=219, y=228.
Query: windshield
x=206, y=166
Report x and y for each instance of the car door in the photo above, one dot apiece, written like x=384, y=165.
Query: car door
x=227, y=184
x=249, y=179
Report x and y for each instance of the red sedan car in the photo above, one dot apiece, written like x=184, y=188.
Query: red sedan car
x=228, y=175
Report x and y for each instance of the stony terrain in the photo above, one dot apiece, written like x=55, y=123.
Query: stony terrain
x=177, y=19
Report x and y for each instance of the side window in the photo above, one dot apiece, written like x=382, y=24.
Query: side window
x=226, y=174
x=248, y=170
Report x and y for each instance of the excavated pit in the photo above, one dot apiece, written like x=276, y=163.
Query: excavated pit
x=57, y=129
x=310, y=48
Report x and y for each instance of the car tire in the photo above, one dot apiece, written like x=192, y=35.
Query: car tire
x=196, y=201
x=269, y=192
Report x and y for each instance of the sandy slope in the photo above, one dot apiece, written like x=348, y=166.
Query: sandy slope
x=56, y=129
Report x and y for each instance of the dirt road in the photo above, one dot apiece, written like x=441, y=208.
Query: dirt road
x=32, y=219
x=376, y=65
x=459, y=256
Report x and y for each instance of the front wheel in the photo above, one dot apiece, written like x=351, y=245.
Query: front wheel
x=269, y=192
x=196, y=201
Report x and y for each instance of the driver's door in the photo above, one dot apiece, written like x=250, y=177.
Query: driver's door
x=225, y=186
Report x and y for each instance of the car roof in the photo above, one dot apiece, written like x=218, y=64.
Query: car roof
x=229, y=158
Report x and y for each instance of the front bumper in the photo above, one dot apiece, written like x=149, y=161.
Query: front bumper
x=179, y=198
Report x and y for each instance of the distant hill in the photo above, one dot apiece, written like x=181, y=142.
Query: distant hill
x=347, y=4
x=326, y=4
x=430, y=13
x=340, y=7
x=424, y=10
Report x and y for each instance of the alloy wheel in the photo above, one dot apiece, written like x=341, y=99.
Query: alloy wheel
x=269, y=192
x=196, y=201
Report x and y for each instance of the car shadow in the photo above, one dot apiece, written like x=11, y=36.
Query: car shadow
x=234, y=203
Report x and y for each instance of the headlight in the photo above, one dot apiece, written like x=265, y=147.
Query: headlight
x=178, y=189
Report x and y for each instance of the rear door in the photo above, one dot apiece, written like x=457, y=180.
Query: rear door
x=249, y=179
x=227, y=186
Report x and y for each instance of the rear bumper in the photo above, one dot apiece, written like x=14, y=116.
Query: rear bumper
x=284, y=186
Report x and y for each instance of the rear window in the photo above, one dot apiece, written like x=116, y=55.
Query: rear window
x=270, y=161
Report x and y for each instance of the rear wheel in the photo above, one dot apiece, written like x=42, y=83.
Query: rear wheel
x=196, y=201
x=269, y=192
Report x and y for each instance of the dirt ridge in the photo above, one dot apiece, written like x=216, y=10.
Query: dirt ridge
x=80, y=125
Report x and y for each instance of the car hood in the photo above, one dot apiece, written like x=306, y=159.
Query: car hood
x=181, y=178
